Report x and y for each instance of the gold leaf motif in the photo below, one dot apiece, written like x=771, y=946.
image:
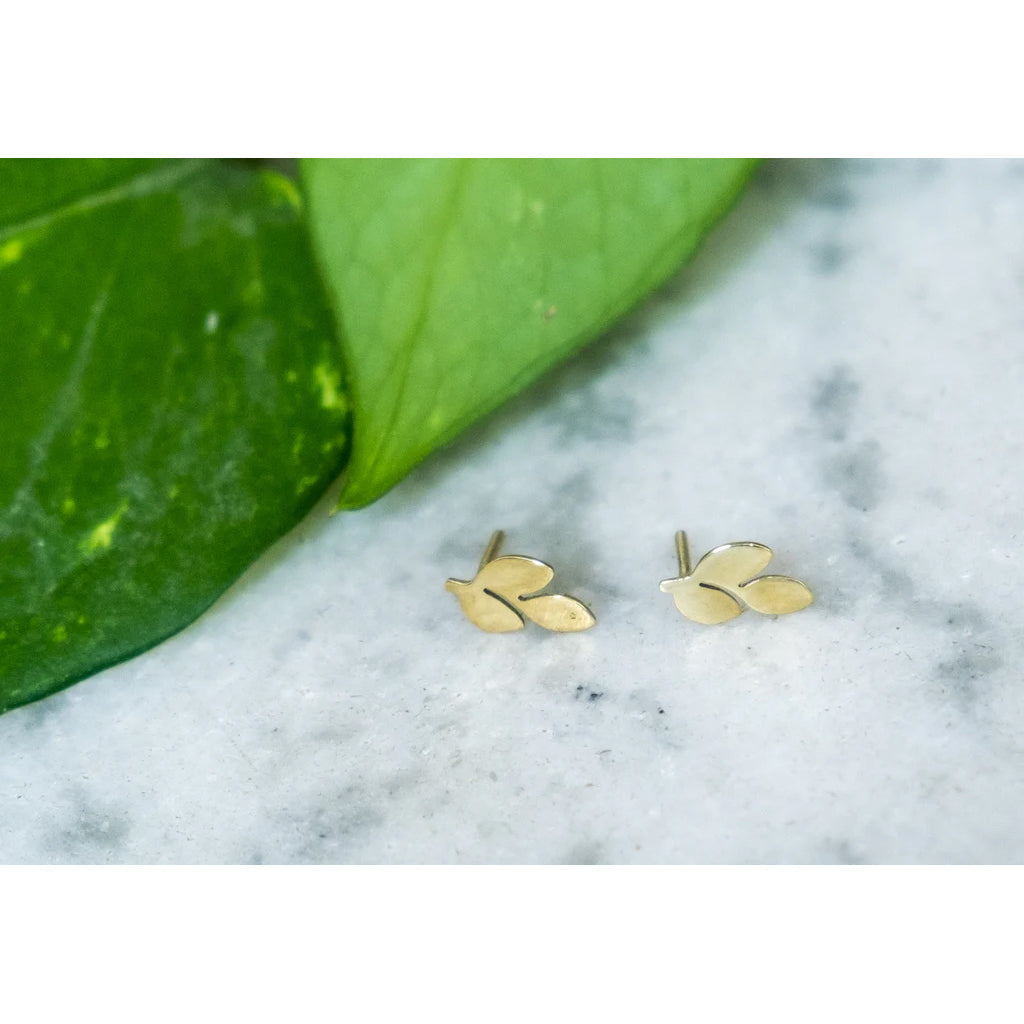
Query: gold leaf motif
x=702, y=602
x=512, y=575
x=498, y=597
x=776, y=595
x=731, y=565
x=483, y=609
x=726, y=577
x=558, y=612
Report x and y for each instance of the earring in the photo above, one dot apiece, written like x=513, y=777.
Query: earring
x=726, y=579
x=505, y=589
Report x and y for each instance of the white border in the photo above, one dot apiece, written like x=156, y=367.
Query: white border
x=512, y=944
x=528, y=78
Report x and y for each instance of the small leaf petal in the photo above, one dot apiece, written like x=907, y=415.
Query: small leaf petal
x=558, y=612
x=776, y=595
x=731, y=565
x=513, y=575
x=701, y=601
x=483, y=609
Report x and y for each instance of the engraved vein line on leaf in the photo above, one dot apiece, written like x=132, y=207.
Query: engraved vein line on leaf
x=501, y=600
x=597, y=173
x=159, y=180
x=406, y=353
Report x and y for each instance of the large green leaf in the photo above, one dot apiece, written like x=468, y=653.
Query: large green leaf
x=171, y=401
x=457, y=282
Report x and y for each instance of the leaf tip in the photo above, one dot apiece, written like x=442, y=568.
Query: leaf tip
x=558, y=612
x=777, y=595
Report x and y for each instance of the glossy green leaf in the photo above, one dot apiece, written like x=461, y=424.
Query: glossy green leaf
x=171, y=403
x=457, y=282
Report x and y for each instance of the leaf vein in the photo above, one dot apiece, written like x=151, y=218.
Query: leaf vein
x=407, y=348
x=60, y=408
x=135, y=188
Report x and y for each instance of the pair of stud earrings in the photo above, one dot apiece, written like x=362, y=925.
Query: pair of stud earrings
x=505, y=591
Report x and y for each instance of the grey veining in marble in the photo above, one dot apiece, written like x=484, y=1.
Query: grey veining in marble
x=840, y=375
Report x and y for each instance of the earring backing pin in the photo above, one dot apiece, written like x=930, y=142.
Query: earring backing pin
x=683, y=550
x=491, y=551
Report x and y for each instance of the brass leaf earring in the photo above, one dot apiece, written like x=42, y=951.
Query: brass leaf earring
x=504, y=590
x=726, y=579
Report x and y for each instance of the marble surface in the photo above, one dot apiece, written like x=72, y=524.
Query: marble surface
x=840, y=375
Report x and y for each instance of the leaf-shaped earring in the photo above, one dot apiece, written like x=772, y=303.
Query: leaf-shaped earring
x=504, y=590
x=726, y=579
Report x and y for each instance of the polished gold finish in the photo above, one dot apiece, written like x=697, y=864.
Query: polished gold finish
x=683, y=551
x=726, y=579
x=505, y=589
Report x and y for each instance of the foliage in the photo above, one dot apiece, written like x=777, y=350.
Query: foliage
x=175, y=396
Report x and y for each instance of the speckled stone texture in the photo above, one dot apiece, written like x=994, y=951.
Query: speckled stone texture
x=838, y=375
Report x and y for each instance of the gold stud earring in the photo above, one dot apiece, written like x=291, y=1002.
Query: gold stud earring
x=726, y=579
x=504, y=590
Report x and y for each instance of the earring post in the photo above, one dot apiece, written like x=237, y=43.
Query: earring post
x=492, y=547
x=683, y=551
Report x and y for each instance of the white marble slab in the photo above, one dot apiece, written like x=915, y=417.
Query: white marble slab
x=839, y=375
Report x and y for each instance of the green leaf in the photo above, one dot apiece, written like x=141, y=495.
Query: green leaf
x=458, y=282
x=172, y=401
